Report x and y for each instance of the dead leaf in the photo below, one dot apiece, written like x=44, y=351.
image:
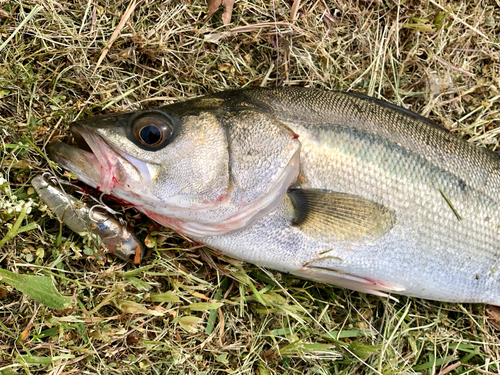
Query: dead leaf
x=213, y=5
x=4, y=14
x=228, y=11
x=25, y=334
x=132, y=339
x=258, y=26
x=131, y=307
x=137, y=257
x=226, y=67
x=493, y=313
x=216, y=37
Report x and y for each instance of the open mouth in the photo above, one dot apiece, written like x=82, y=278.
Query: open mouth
x=98, y=162
x=79, y=139
x=94, y=161
x=107, y=158
x=79, y=161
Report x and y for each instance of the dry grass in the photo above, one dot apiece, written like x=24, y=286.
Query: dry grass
x=438, y=58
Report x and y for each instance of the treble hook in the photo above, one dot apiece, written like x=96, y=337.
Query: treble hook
x=117, y=215
x=50, y=178
x=57, y=181
x=91, y=212
x=100, y=204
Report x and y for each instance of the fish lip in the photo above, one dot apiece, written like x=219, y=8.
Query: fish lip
x=85, y=134
x=81, y=130
x=92, y=160
x=79, y=139
x=88, y=139
x=76, y=160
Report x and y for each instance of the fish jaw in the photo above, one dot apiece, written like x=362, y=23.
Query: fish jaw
x=118, y=170
x=105, y=168
x=82, y=163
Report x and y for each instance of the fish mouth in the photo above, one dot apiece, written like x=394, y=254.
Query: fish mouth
x=80, y=162
x=96, y=161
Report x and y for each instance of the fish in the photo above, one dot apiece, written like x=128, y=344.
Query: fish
x=82, y=218
x=339, y=188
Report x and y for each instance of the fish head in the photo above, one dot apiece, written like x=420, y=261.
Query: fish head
x=191, y=167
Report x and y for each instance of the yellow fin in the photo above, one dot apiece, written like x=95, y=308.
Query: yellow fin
x=339, y=216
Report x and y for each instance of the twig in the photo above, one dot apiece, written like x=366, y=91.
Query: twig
x=123, y=21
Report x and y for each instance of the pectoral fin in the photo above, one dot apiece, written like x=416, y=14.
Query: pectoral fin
x=338, y=216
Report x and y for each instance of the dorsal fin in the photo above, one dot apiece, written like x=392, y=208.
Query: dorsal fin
x=331, y=215
x=397, y=108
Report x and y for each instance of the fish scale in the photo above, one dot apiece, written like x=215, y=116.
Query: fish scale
x=334, y=187
x=319, y=109
x=381, y=157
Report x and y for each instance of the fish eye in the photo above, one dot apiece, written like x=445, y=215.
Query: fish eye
x=152, y=130
x=150, y=134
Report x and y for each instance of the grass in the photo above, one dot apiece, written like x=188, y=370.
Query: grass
x=179, y=312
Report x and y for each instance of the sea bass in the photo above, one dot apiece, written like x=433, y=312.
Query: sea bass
x=335, y=187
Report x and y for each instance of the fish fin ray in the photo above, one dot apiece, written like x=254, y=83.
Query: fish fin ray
x=346, y=280
x=397, y=108
x=339, y=216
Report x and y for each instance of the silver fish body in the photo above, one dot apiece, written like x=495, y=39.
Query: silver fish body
x=75, y=214
x=335, y=187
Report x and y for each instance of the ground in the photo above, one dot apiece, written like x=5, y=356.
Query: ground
x=179, y=312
